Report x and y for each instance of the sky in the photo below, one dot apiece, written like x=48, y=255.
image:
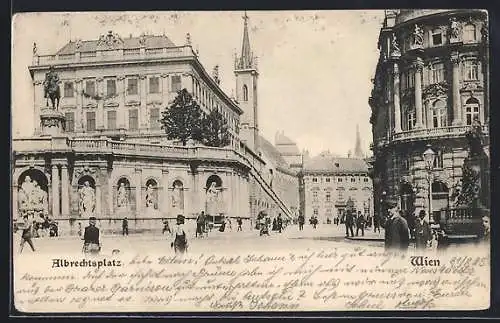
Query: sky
x=315, y=67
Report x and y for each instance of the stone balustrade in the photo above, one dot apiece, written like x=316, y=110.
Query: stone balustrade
x=108, y=146
x=419, y=134
x=115, y=55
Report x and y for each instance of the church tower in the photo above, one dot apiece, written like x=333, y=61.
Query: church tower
x=245, y=70
x=358, y=152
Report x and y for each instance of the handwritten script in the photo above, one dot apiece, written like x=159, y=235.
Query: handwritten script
x=333, y=279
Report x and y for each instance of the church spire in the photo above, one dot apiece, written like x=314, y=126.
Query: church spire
x=358, y=152
x=246, y=58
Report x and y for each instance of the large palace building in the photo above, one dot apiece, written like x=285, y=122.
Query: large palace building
x=430, y=86
x=103, y=152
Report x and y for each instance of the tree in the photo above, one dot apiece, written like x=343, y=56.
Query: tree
x=215, y=130
x=183, y=119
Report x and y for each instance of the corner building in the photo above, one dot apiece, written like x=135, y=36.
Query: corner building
x=113, y=90
x=431, y=82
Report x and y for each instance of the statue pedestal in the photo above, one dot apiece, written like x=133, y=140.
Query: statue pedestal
x=52, y=122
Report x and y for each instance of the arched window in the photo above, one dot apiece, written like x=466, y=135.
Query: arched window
x=245, y=93
x=471, y=110
x=439, y=114
x=469, y=33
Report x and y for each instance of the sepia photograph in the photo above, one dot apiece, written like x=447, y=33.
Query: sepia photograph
x=250, y=161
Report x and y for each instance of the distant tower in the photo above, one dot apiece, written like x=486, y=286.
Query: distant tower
x=246, y=74
x=358, y=152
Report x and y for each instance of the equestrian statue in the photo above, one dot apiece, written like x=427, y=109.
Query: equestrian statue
x=51, y=88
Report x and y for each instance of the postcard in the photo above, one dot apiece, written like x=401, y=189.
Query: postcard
x=250, y=161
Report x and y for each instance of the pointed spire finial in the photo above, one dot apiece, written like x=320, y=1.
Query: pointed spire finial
x=246, y=60
x=358, y=152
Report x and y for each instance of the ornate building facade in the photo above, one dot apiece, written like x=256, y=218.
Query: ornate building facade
x=330, y=181
x=430, y=86
x=103, y=152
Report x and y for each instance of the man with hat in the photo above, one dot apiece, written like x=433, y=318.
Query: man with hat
x=179, y=244
x=91, y=244
x=396, y=229
x=423, y=232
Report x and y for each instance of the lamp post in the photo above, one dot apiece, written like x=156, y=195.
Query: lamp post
x=429, y=155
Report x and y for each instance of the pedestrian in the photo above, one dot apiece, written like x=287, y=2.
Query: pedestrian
x=279, y=223
x=397, y=235
x=166, y=227
x=26, y=234
x=222, y=227
x=301, y=222
x=240, y=222
x=200, y=222
x=125, y=226
x=485, y=229
x=91, y=242
x=422, y=233
x=349, y=222
x=264, y=225
x=180, y=243
x=360, y=224
x=314, y=221
x=376, y=223
x=80, y=230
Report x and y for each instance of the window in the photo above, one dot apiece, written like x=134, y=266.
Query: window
x=439, y=115
x=315, y=179
x=341, y=194
x=90, y=121
x=437, y=37
x=315, y=195
x=328, y=197
x=176, y=83
x=405, y=163
x=410, y=78
x=437, y=73
x=154, y=118
x=111, y=120
x=438, y=161
x=327, y=179
x=133, y=122
x=365, y=180
x=339, y=180
x=111, y=87
x=245, y=93
x=132, y=87
x=469, y=33
x=411, y=119
x=70, y=121
x=154, y=84
x=471, y=110
x=90, y=88
x=353, y=179
x=315, y=212
x=68, y=90
x=471, y=71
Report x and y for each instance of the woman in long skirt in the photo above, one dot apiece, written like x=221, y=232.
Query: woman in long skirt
x=180, y=244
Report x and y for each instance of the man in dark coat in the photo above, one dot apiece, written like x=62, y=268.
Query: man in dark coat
x=360, y=224
x=91, y=243
x=349, y=222
x=301, y=222
x=397, y=235
x=125, y=226
x=423, y=232
x=279, y=223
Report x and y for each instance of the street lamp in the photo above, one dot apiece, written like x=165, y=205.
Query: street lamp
x=429, y=156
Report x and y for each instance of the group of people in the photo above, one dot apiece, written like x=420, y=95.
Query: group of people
x=398, y=233
x=352, y=219
x=264, y=222
x=31, y=229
